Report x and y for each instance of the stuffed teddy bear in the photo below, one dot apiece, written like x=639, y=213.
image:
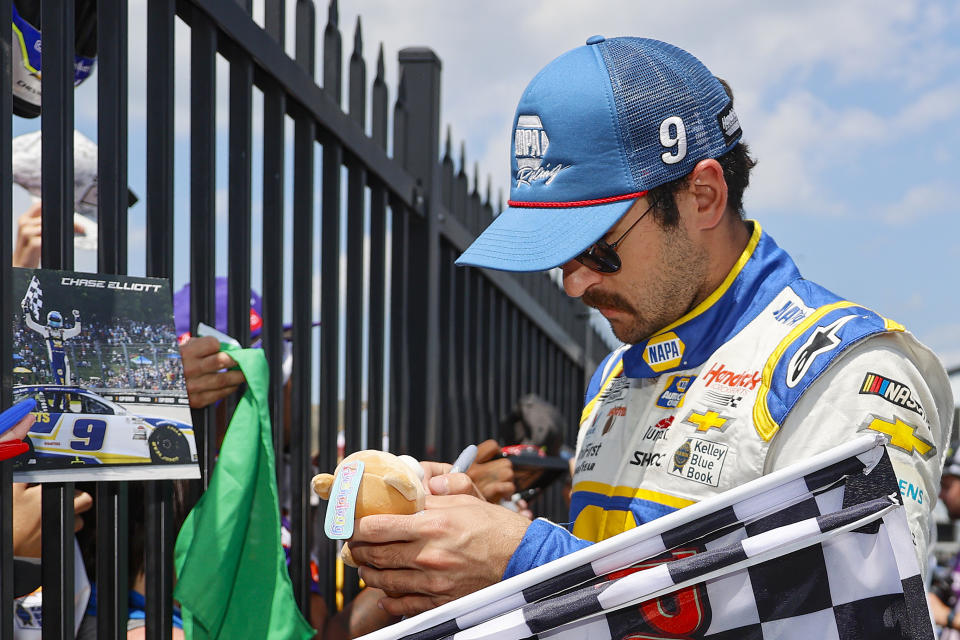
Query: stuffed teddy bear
x=389, y=484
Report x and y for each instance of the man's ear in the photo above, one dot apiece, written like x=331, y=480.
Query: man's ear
x=709, y=190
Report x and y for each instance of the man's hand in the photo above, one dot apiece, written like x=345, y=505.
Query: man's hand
x=203, y=363
x=492, y=475
x=27, y=517
x=457, y=545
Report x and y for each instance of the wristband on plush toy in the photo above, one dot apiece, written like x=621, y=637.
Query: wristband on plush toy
x=338, y=524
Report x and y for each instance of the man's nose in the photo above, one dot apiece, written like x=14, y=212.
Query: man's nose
x=578, y=278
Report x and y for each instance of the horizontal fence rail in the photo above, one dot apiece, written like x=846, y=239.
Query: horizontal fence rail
x=349, y=225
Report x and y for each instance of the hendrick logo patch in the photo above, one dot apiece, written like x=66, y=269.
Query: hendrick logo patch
x=663, y=352
x=824, y=338
x=892, y=391
x=673, y=394
x=719, y=374
x=700, y=461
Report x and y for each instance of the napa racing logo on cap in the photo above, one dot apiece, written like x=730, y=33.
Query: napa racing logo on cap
x=673, y=394
x=530, y=143
x=663, y=352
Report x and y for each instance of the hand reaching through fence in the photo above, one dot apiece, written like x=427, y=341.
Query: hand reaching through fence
x=26, y=249
x=27, y=517
x=492, y=474
x=208, y=371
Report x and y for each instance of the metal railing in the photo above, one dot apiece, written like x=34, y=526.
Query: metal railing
x=433, y=354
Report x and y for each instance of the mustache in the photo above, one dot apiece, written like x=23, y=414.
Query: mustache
x=597, y=299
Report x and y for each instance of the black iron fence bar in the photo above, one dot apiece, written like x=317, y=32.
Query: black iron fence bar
x=464, y=325
x=328, y=376
x=510, y=285
x=238, y=200
x=301, y=88
x=355, y=222
x=448, y=364
x=274, y=107
x=57, y=253
x=274, y=128
x=203, y=83
x=330, y=214
x=478, y=347
x=111, y=504
x=399, y=348
x=378, y=264
x=6, y=337
x=302, y=292
x=494, y=353
x=160, y=131
x=158, y=496
x=376, y=311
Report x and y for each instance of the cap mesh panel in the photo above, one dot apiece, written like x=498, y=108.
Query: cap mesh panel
x=652, y=81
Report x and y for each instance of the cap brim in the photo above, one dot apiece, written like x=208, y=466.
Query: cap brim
x=537, y=239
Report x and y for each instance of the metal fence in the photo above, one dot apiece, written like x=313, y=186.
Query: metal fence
x=432, y=353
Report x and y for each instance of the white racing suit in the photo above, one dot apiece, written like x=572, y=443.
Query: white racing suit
x=55, y=339
x=768, y=370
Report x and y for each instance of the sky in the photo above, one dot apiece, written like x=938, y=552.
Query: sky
x=851, y=109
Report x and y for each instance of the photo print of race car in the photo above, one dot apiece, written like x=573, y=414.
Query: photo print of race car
x=99, y=355
x=77, y=426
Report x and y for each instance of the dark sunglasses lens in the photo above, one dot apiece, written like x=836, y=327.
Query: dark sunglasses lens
x=600, y=258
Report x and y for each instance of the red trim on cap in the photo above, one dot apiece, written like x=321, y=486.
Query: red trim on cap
x=576, y=203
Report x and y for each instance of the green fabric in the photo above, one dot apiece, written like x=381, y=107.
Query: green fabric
x=232, y=574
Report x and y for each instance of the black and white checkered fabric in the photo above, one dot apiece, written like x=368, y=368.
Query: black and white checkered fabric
x=822, y=551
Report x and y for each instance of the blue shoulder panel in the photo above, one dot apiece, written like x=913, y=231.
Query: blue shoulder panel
x=809, y=349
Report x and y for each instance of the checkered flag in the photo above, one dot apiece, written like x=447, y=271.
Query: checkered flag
x=33, y=299
x=819, y=550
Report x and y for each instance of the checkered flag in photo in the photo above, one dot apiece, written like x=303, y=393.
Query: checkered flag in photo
x=819, y=550
x=33, y=299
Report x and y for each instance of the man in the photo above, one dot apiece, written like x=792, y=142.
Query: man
x=943, y=602
x=628, y=171
x=55, y=335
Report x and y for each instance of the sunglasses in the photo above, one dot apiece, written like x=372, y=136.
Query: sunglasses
x=602, y=256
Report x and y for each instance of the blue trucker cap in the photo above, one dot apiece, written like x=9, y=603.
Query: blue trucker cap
x=596, y=129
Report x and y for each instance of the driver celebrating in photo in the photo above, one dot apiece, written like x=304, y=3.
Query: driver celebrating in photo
x=628, y=172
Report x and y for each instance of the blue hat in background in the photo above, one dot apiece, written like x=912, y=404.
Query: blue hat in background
x=594, y=130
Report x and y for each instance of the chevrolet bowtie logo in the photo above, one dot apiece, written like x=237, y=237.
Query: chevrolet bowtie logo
x=708, y=420
x=900, y=435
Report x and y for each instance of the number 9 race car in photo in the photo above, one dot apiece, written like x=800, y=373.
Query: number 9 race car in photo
x=75, y=427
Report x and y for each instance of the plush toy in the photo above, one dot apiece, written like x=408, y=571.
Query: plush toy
x=388, y=484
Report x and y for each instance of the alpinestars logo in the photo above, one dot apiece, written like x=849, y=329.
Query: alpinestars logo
x=823, y=339
x=530, y=143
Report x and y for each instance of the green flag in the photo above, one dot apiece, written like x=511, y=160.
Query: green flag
x=232, y=579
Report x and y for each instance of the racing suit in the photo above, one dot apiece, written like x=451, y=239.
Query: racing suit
x=768, y=370
x=55, y=339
